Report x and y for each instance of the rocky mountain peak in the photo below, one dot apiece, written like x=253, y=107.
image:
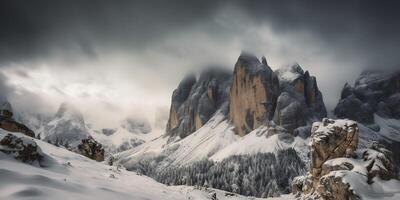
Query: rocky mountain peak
x=290, y=73
x=67, y=125
x=195, y=101
x=6, y=106
x=373, y=92
x=253, y=94
x=69, y=111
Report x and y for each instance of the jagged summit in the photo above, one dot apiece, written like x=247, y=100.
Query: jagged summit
x=6, y=106
x=252, y=64
x=256, y=94
x=373, y=92
x=195, y=101
x=68, y=124
x=68, y=110
x=290, y=72
x=253, y=94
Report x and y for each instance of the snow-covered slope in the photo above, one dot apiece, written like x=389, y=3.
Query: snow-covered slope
x=215, y=140
x=71, y=176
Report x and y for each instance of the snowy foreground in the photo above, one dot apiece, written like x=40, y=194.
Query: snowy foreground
x=71, y=176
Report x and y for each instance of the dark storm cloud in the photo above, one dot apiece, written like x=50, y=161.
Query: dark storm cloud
x=29, y=29
x=346, y=37
x=361, y=29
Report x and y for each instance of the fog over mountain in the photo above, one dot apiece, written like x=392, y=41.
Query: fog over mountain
x=126, y=57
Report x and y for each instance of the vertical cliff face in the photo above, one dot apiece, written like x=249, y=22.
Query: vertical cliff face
x=195, y=101
x=256, y=94
x=300, y=101
x=253, y=94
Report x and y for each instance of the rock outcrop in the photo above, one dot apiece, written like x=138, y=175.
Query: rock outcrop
x=337, y=167
x=195, y=101
x=91, y=149
x=331, y=139
x=373, y=93
x=9, y=124
x=253, y=94
x=22, y=148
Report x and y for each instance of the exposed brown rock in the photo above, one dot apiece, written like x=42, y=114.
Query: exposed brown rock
x=24, y=149
x=332, y=187
x=253, y=94
x=9, y=124
x=335, y=162
x=331, y=139
x=91, y=149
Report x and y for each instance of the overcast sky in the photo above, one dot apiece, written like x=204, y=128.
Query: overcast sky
x=126, y=57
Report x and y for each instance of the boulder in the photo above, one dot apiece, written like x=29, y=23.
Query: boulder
x=22, y=148
x=91, y=149
x=253, y=94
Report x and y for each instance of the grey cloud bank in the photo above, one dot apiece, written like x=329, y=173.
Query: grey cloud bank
x=126, y=54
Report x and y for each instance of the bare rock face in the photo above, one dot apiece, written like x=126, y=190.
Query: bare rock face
x=373, y=92
x=337, y=167
x=331, y=139
x=300, y=101
x=253, y=94
x=194, y=102
x=9, y=124
x=24, y=149
x=333, y=187
x=91, y=149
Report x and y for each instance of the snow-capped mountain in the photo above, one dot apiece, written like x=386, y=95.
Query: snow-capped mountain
x=67, y=125
x=259, y=111
x=373, y=101
x=220, y=115
x=235, y=131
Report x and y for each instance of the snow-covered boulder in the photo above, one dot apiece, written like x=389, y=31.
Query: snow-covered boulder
x=22, y=148
x=331, y=139
x=339, y=172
